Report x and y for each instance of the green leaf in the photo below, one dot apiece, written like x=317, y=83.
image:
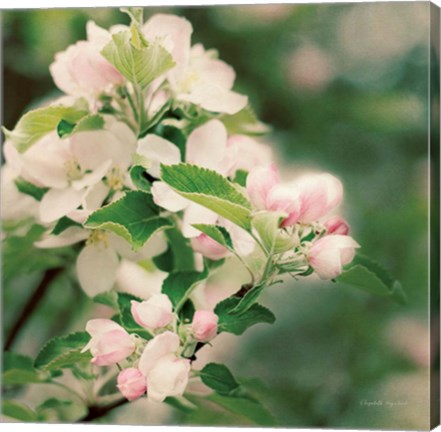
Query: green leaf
x=126, y=318
x=39, y=122
x=209, y=189
x=109, y=298
x=241, y=177
x=133, y=217
x=63, y=352
x=19, y=369
x=53, y=403
x=63, y=224
x=140, y=178
x=252, y=410
x=245, y=122
x=180, y=403
x=370, y=276
x=89, y=122
x=178, y=285
x=274, y=239
x=219, y=378
x=30, y=189
x=18, y=411
x=139, y=64
x=64, y=128
x=155, y=119
x=218, y=233
x=238, y=323
x=248, y=299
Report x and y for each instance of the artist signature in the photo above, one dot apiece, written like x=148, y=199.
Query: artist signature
x=382, y=403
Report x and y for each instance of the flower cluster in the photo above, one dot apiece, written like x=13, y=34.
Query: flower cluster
x=160, y=366
x=150, y=161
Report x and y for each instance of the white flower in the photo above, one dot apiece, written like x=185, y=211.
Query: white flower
x=81, y=70
x=198, y=77
x=166, y=373
x=73, y=168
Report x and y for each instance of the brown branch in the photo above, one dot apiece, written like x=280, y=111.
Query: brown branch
x=31, y=305
x=97, y=411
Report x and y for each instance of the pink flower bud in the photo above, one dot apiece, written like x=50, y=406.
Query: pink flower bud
x=337, y=225
x=260, y=181
x=318, y=195
x=153, y=313
x=328, y=254
x=109, y=344
x=131, y=383
x=209, y=247
x=204, y=325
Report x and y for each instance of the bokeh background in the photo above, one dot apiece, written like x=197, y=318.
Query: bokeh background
x=345, y=88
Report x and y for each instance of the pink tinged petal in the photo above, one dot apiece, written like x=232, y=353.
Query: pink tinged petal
x=260, y=181
x=136, y=280
x=194, y=214
x=216, y=98
x=204, y=325
x=99, y=326
x=208, y=247
x=281, y=198
x=337, y=225
x=169, y=377
x=112, y=347
x=127, y=139
x=156, y=312
x=207, y=145
x=96, y=269
x=328, y=254
x=319, y=194
x=164, y=196
x=94, y=177
x=131, y=382
x=160, y=346
x=96, y=34
x=12, y=157
x=57, y=203
x=158, y=151
x=243, y=243
x=68, y=237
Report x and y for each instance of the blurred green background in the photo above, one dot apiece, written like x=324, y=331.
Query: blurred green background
x=345, y=88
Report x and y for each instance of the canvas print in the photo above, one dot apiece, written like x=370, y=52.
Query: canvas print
x=221, y=215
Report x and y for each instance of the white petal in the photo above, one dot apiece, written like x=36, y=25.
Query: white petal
x=206, y=145
x=94, y=177
x=95, y=196
x=158, y=150
x=195, y=213
x=96, y=269
x=162, y=345
x=45, y=161
x=216, y=99
x=164, y=196
x=68, y=237
x=136, y=280
x=57, y=203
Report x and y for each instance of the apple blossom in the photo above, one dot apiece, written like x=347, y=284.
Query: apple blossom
x=167, y=374
x=131, y=383
x=81, y=70
x=204, y=325
x=109, y=344
x=329, y=254
x=156, y=312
